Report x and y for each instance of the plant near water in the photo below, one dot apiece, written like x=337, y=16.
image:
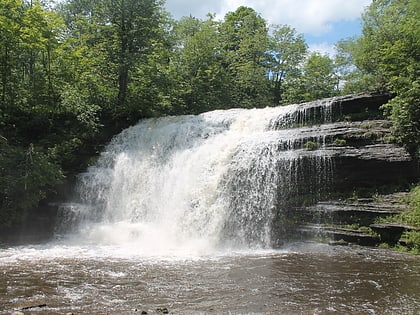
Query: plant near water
x=339, y=142
x=311, y=145
x=410, y=239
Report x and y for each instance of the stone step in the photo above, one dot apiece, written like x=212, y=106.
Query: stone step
x=340, y=234
x=345, y=212
x=371, y=207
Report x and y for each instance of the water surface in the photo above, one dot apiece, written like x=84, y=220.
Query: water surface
x=306, y=278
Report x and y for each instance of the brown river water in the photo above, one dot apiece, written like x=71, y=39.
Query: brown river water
x=304, y=278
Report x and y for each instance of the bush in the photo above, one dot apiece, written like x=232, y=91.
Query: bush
x=26, y=176
x=310, y=145
x=340, y=142
x=412, y=217
x=412, y=240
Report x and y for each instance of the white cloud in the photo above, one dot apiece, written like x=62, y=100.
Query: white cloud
x=307, y=16
x=199, y=9
x=323, y=48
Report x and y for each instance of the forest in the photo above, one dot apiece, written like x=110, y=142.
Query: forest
x=75, y=73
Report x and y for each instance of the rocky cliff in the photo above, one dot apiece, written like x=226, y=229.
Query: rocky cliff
x=367, y=169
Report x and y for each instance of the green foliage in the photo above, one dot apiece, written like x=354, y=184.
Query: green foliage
x=412, y=241
x=311, y=146
x=354, y=80
x=317, y=80
x=287, y=51
x=404, y=112
x=339, y=142
x=27, y=175
x=198, y=70
x=386, y=58
x=411, y=218
x=319, y=77
x=244, y=42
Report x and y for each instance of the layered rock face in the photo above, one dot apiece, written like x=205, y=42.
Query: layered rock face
x=355, y=135
x=365, y=163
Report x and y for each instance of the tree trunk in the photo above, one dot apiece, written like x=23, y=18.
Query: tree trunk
x=277, y=88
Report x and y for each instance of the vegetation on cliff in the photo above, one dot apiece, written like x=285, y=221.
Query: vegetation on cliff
x=410, y=239
x=385, y=58
x=73, y=75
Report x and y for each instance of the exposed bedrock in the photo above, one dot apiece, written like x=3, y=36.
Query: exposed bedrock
x=365, y=162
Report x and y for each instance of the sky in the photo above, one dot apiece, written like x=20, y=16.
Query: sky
x=322, y=22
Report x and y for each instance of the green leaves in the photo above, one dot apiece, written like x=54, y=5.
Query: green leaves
x=244, y=41
x=26, y=175
x=386, y=59
x=391, y=40
x=287, y=51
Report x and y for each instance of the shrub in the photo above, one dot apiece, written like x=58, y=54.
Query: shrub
x=310, y=145
x=412, y=239
x=339, y=142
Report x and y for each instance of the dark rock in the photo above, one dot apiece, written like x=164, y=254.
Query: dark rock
x=348, y=212
x=341, y=235
x=391, y=232
x=362, y=103
x=33, y=306
x=162, y=310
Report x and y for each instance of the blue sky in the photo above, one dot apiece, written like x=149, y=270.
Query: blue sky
x=323, y=22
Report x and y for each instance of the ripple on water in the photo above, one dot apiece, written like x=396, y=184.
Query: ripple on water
x=311, y=278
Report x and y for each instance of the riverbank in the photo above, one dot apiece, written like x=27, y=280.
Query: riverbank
x=389, y=221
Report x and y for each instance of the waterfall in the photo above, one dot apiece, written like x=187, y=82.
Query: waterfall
x=220, y=179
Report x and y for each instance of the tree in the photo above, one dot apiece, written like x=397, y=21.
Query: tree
x=244, y=48
x=10, y=22
x=134, y=27
x=287, y=49
x=387, y=54
x=197, y=66
x=26, y=176
x=317, y=80
x=352, y=79
x=121, y=35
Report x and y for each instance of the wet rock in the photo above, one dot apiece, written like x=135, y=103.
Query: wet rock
x=18, y=313
x=34, y=306
x=358, y=212
x=391, y=232
x=341, y=236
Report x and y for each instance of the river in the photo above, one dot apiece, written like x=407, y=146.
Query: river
x=302, y=278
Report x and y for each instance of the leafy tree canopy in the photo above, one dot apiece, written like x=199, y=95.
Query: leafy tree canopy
x=386, y=59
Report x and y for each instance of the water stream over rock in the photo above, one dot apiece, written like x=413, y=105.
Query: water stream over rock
x=219, y=179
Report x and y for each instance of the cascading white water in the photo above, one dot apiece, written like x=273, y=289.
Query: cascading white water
x=219, y=179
